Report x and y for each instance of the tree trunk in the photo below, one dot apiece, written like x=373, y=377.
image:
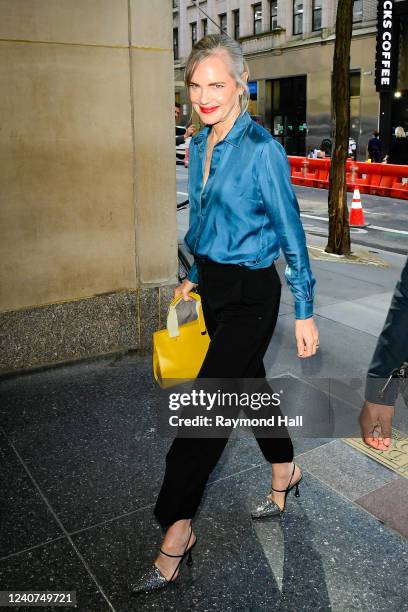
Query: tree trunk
x=339, y=230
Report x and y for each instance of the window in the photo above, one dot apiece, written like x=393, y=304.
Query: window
x=357, y=11
x=257, y=18
x=274, y=14
x=354, y=83
x=288, y=113
x=236, y=24
x=175, y=44
x=223, y=22
x=317, y=15
x=297, y=17
x=204, y=27
x=193, y=27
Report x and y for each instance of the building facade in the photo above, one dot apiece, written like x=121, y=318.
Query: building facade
x=88, y=234
x=289, y=46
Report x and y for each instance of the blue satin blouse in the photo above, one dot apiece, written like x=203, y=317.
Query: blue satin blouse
x=248, y=210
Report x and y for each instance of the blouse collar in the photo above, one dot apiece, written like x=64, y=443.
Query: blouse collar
x=233, y=137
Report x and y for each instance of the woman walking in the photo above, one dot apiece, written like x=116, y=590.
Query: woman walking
x=243, y=210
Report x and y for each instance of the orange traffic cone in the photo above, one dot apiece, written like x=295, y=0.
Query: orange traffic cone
x=356, y=211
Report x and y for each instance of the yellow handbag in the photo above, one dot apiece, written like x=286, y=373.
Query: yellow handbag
x=179, y=350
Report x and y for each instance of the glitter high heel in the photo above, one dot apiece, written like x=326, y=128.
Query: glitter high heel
x=269, y=508
x=153, y=579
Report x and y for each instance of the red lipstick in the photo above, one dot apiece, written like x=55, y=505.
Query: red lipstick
x=206, y=109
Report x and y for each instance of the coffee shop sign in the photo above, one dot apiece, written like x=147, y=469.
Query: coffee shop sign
x=384, y=71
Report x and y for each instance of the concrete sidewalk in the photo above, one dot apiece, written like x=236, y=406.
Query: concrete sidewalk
x=82, y=462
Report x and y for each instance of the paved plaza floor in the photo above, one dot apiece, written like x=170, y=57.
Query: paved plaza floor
x=81, y=463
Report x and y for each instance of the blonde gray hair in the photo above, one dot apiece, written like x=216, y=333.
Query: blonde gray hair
x=400, y=132
x=217, y=44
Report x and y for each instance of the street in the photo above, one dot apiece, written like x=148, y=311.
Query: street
x=386, y=218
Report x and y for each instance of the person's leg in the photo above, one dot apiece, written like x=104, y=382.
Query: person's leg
x=278, y=451
x=275, y=444
x=189, y=463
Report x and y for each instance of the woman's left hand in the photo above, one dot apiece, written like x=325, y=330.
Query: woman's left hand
x=307, y=337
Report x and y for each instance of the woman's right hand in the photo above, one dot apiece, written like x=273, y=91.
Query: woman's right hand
x=184, y=289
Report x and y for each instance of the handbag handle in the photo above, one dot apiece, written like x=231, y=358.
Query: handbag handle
x=172, y=320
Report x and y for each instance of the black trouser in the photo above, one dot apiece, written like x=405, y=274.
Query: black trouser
x=240, y=309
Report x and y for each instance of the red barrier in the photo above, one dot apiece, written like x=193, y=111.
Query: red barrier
x=376, y=179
